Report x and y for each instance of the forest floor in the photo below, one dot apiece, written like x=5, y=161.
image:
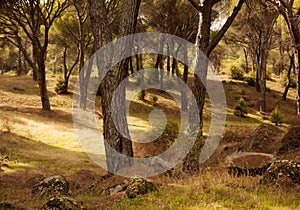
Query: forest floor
x=40, y=143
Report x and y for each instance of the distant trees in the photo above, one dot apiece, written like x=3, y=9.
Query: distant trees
x=292, y=17
x=32, y=19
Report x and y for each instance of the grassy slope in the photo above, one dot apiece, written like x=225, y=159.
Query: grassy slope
x=43, y=143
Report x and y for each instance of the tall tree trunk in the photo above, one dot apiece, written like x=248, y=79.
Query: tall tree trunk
x=288, y=84
x=206, y=45
x=191, y=162
x=42, y=82
x=113, y=138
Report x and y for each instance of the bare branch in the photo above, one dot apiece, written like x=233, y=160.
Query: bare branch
x=225, y=27
x=195, y=5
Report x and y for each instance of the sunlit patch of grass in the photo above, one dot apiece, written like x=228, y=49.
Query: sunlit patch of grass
x=214, y=190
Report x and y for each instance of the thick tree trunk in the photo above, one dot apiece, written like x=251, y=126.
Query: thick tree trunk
x=113, y=138
x=191, y=161
x=205, y=45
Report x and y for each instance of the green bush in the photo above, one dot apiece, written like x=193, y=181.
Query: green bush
x=141, y=95
x=240, y=108
x=61, y=87
x=276, y=116
x=154, y=99
x=284, y=79
x=170, y=133
x=268, y=75
x=237, y=73
x=242, y=91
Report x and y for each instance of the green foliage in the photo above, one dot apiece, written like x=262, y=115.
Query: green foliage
x=154, y=99
x=237, y=73
x=242, y=91
x=170, y=133
x=240, y=108
x=276, y=116
x=61, y=86
x=284, y=79
x=268, y=75
x=141, y=95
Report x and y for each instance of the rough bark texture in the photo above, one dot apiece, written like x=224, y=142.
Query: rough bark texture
x=205, y=45
x=112, y=80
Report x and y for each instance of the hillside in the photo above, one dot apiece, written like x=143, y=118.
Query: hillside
x=35, y=144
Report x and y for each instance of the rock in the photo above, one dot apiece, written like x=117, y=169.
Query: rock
x=290, y=141
x=52, y=186
x=283, y=172
x=62, y=203
x=248, y=163
x=264, y=139
x=139, y=186
x=8, y=206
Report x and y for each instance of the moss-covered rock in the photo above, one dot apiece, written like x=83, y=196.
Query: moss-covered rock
x=282, y=172
x=139, y=186
x=62, y=203
x=55, y=185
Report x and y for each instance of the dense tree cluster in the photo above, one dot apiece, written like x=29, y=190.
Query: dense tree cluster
x=59, y=36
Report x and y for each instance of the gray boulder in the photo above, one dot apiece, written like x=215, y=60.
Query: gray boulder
x=55, y=185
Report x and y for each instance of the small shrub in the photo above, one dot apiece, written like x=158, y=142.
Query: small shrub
x=154, y=99
x=141, y=95
x=284, y=79
x=237, y=73
x=268, y=75
x=276, y=116
x=242, y=91
x=61, y=87
x=170, y=133
x=240, y=108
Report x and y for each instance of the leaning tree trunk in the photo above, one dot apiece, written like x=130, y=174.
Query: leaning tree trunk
x=288, y=84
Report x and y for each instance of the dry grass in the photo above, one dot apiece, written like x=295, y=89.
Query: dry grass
x=41, y=143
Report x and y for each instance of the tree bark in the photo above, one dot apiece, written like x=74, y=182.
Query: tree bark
x=205, y=45
x=288, y=84
x=113, y=138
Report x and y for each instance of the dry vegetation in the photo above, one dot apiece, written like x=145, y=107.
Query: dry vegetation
x=39, y=144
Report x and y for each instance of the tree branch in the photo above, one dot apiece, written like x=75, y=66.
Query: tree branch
x=195, y=5
x=225, y=27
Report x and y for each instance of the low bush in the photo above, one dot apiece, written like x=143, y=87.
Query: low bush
x=276, y=116
x=240, y=108
x=237, y=73
x=61, y=87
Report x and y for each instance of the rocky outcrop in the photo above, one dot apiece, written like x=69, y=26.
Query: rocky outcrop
x=139, y=186
x=62, y=203
x=52, y=186
x=248, y=163
x=290, y=141
x=265, y=139
x=283, y=173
